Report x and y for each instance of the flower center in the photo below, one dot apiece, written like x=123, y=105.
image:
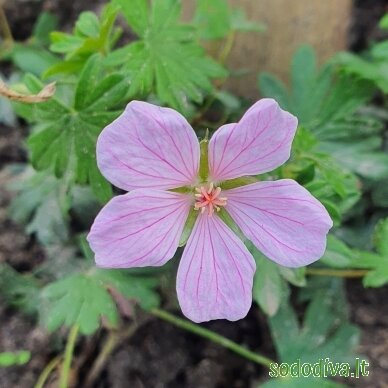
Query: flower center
x=208, y=198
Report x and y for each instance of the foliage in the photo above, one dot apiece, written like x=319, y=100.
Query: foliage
x=339, y=255
x=216, y=20
x=330, y=107
x=324, y=331
x=166, y=59
x=91, y=35
x=65, y=140
x=270, y=287
x=15, y=358
x=19, y=290
x=7, y=115
x=84, y=299
x=371, y=66
x=40, y=194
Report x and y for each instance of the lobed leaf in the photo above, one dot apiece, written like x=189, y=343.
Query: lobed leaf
x=167, y=58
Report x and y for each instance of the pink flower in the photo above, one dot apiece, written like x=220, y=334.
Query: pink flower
x=151, y=150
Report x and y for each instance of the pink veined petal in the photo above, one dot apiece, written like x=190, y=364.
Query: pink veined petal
x=282, y=219
x=258, y=143
x=148, y=147
x=140, y=228
x=215, y=274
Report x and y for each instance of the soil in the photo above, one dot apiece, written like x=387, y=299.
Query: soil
x=159, y=354
x=364, y=27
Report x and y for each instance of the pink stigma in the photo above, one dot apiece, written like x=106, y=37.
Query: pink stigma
x=208, y=199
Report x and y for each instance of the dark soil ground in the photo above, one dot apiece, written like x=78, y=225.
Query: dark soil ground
x=158, y=354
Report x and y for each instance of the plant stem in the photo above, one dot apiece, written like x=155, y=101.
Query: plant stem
x=46, y=372
x=64, y=378
x=114, y=339
x=4, y=28
x=229, y=42
x=109, y=346
x=214, y=337
x=343, y=273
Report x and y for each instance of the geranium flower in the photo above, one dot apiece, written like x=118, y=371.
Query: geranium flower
x=150, y=151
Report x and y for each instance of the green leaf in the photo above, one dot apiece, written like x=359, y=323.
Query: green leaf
x=45, y=24
x=41, y=206
x=7, y=114
x=229, y=100
x=337, y=254
x=380, y=193
x=372, y=165
x=19, y=290
x=65, y=43
x=77, y=299
x=65, y=141
x=378, y=277
x=357, y=65
x=324, y=330
x=84, y=299
x=271, y=86
x=240, y=23
x=303, y=72
x=91, y=35
x=137, y=288
x=383, y=23
x=33, y=59
x=374, y=70
x=296, y=276
x=88, y=24
x=14, y=358
x=136, y=14
x=167, y=59
x=216, y=20
x=331, y=107
x=381, y=237
x=335, y=187
x=268, y=285
x=213, y=18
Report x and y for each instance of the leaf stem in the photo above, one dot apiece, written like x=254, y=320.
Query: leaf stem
x=212, y=336
x=5, y=29
x=47, y=371
x=64, y=378
x=343, y=273
x=114, y=339
x=109, y=346
x=229, y=42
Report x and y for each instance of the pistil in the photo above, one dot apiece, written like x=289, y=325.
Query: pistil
x=209, y=199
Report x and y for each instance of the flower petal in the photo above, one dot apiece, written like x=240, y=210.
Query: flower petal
x=282, y=219
x=258, y=143
x=148, y=147
x=140, y=228
x=215, y=274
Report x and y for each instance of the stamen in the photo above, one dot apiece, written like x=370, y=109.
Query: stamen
x=208, y=199
x=217, y=192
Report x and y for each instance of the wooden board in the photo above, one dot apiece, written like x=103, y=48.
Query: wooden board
x=290, y=23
